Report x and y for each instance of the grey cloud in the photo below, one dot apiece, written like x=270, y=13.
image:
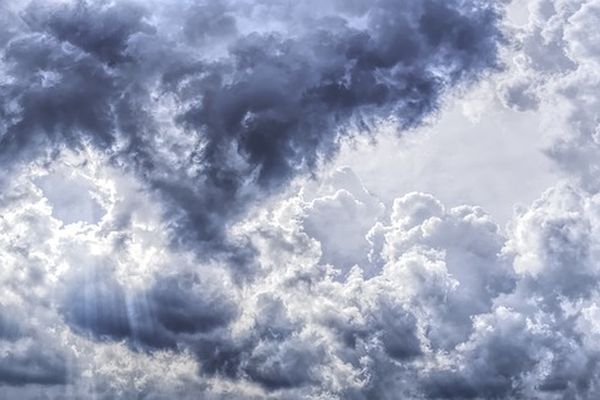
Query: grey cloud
x=556, y=72
x=528, y=344
x=284, y=365
x=184, y=305
x=491, y=316
x=97, y=304
x=10, y=329
x=494, y=362
x=208, y=135
x=454, y=307
x=209, y=20
x=27, y=358
x=101, y=31
x=35, y=366
x=397, y=329
x=339, y=216
x=269, y=109
x=271, y=353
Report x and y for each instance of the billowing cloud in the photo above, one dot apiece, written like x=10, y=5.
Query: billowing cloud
x=137, y=138
x=556, y=70
x=440, y=304
x=211, y=131
x=177, y=115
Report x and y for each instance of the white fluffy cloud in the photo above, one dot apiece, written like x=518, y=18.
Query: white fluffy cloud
x=451, y=307
x=556, y=68
x=428, y=301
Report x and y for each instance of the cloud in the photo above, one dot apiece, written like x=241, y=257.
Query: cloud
x=27, y=357
x=271, y=105
x=556, y=71
x=320, y=290
x=82, y=303
x=441, y=304
x=455, y=308
x=339, y=214
x=179, y=131
x=431, y=271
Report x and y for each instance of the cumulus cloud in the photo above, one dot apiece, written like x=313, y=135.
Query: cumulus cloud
x=137, y=262
x=176, y=131
x=556, y=70
x=455, y=308
x=441, y=304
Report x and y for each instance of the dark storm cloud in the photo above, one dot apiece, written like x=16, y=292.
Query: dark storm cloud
x=272, y=106
x=215, y=105
x=23, y=362
x=104, y=35
x=34, y=367
x=212, y=115
x=63, y=88
x=205, y=21
x=95, y=303
x=271, y=353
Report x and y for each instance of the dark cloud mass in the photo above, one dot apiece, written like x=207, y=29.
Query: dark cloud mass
x=211, y=107
x=27, y=363
x=271, y=104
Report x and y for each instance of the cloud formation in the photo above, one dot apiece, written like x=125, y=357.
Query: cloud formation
x=168, y=121
x=440, y=304
x=557, y=72
x=211, y=131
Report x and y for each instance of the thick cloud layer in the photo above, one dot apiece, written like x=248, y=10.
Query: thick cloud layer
x=439, y=304
x=162, y=122
x=215, y=103
x=179, y=115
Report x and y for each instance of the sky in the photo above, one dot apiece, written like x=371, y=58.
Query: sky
x=277, y=199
